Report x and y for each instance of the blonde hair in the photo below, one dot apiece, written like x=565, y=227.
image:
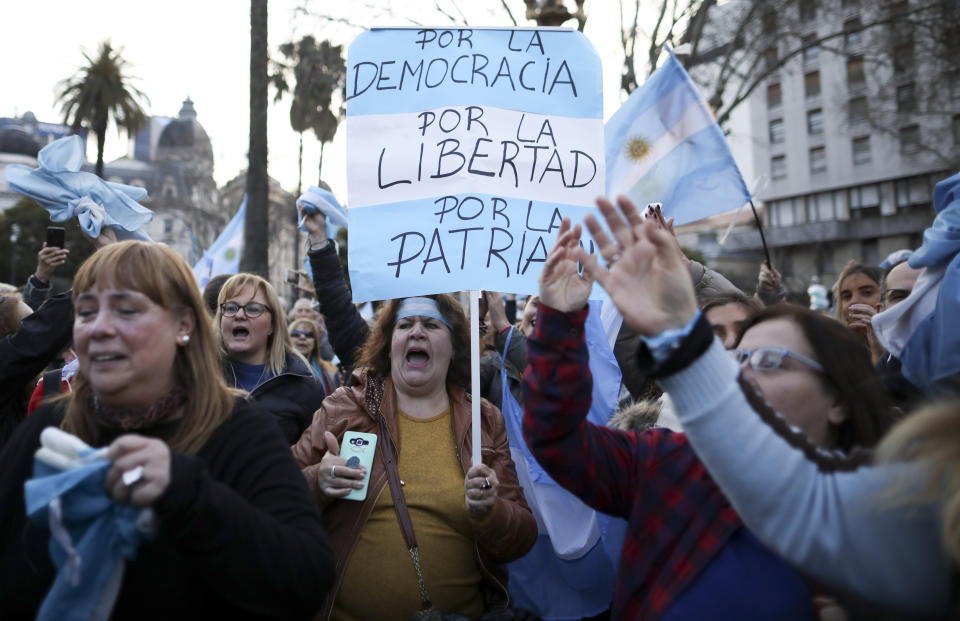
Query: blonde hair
x=315, y=354
x=159, y=273
x=278, y=341
x=931, y=437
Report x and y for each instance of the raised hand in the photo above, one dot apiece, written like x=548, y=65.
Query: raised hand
x=561, y=285
x=316, y=225
x=646, y=274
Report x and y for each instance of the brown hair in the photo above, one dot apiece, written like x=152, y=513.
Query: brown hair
x=375, y=352
x=872, y=272
x=9, y=313
x=848, y=374
x=278, y=341
x=751, y=305
x=159, y=273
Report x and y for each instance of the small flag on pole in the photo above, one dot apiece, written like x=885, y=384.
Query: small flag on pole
x=664, y=146
x=223, y=257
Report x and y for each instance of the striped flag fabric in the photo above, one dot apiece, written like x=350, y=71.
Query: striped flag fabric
x=664, y=146
x=223, y=257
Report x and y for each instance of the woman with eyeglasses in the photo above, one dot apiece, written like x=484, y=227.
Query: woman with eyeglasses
x=305, y=336
x=687, y=554
x=258, y=357
x=843, y=520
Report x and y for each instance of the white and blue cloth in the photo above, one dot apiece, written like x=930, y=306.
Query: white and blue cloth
x=66, y=192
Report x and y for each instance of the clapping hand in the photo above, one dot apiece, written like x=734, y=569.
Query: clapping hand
x=646, y=274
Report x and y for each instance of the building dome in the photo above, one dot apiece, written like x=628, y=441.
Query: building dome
x=184, y=137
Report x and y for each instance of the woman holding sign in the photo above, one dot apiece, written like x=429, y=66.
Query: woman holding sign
x=406, y=419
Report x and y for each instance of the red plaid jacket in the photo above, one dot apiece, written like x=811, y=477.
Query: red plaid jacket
x=678, y=519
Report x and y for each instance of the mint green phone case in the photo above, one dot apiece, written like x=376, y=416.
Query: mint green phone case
x=363, y=446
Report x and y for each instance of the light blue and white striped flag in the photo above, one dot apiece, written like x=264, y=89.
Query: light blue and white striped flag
x=223, y=257
x=664, y=146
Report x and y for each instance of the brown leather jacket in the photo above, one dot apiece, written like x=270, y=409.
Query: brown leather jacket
x=507, y=536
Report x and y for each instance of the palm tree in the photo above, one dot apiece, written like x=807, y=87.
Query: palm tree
x=318, y=71
x=255, y=245
x=101, y=91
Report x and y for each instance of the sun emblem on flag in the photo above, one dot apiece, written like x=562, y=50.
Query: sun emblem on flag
x=637, y=148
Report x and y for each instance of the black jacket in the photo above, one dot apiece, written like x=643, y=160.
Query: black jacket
x=346, y=329
x=25, y=353
x=240, y=534
x=491, y=386
x=291, y=397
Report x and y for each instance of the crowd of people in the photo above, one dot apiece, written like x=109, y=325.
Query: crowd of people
x=788, y=465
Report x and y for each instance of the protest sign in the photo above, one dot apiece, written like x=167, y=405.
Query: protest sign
x=465, y=150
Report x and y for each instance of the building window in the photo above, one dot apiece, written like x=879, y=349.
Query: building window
x=778, y=166
x=811, y=49
x=774, y=95
x=776, y=131
x=861, y=150
x=167, y=227
x=850, y=4
x=906, y=98
x=903, y=59
x=855, y=74
x=863, y=201
x=825, y=263
x=811, y=84
x=852, y=34
x=870, y=251
x=810, y=210
x=808, y=11
x=815, y=121
x=909, y=139
x=955, y=125
x=857, y=109
x=770, y=58
x=912, y=194
x=818, y=160
x=785, y=215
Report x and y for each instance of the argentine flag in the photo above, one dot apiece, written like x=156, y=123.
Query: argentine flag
x=223, y=257
x=664, y=146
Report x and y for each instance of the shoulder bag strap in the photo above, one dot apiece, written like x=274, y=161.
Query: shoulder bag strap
x=388, y=451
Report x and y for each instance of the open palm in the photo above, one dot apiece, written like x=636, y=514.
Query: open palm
x=561, y=285
x=646, y=275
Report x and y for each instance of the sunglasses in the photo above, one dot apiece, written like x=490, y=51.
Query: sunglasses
x=770, y=358
x=251, y=309
x=303, y=333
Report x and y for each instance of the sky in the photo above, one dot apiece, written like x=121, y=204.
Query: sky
x=201, y=49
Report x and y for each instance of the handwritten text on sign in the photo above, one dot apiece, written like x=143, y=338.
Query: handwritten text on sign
x=466, y=148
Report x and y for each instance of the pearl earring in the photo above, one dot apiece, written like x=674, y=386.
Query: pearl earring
x=183, y=339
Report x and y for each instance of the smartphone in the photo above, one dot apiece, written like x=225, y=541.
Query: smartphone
x=358, y=449
x=293, y=277
x=56, y=236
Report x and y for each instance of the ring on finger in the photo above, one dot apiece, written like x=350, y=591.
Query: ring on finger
x=333, y=472
x=132, y=476
x=486, y=483
x=616, y=257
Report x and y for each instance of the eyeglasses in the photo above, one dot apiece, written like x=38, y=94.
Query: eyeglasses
x=303, y=333
x=251, y=309
x=770, y=358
